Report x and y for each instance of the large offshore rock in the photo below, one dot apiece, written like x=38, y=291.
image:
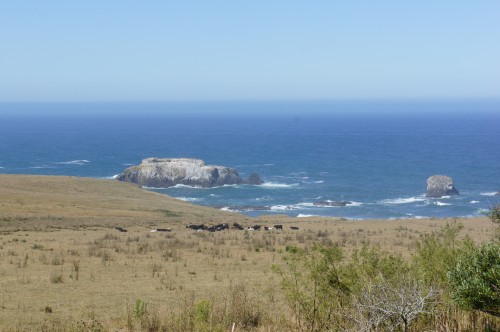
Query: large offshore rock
x=439, y=186
x=168, y=172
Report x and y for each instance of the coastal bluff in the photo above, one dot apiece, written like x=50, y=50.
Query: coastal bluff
x=439, y=186
x=168, y=172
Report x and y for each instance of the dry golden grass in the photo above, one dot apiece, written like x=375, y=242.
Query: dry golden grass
x=62, y=260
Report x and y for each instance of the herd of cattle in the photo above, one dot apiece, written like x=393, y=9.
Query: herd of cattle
x=218, y=228
x=221, y=227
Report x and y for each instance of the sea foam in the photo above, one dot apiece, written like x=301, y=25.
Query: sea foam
x=396, y=201
x=73, y=162
x=493, y=193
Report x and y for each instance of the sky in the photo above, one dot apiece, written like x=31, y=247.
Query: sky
x=122, y=51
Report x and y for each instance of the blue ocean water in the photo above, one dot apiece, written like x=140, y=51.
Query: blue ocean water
x=376, y=155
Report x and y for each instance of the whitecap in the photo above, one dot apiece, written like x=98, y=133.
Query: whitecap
x=300, y=215
x=73, y=162
x=189, y=199
x=42, y=167
x=278, y=185
x=128, y=164
x=227, y=209
x=354, y=204
x=474, y=202
x=402, y=200
x=2, y=167
x=438, y=203
x=420, y=217
x=113, y=177
x=321, y=181
x=492, y=193
x=306, y=204
x=283, y=207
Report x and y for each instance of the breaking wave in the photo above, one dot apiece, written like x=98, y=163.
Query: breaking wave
x=300, y=215
x=396, y=201
x=493, y=193
x=73, y=162
x=189, y=199
x=438, y=203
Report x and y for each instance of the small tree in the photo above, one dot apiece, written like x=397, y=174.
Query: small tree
x=475, y=279
x=314, y=286
x=390, y=304
x=494, y=215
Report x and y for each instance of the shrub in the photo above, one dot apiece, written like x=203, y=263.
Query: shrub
x=475, y=279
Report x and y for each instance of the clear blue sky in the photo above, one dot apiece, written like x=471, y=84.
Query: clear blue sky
x=248, y=50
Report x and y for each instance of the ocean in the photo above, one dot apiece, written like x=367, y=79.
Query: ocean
x=375, y=155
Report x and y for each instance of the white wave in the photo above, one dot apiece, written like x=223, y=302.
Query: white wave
x=189, y=199
x=321, y=181
x=438, y=203
x=214, y=195
x=111, y=177
x=264, y=198
x=474, y=202
x=128, y=164
x=402, y=200
x=278, y=185
x=354, y=204
x=42, y=167
x=306, y=215
x=2, y=167
x=305, y=204
x=227, y=209
x=283, y=207
x=492, y=193
x=73, y=162
x=420, y=217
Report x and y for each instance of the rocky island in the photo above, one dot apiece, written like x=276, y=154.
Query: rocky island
x=168, y=172
x=439, y=186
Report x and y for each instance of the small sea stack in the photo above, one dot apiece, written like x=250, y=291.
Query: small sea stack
x=439, y=186
x=168, y=172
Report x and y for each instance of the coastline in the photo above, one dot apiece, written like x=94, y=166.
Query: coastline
x=63, y=249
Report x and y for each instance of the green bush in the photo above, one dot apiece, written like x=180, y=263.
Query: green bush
x=475, y=279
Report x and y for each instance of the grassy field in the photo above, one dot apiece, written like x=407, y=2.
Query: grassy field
x=63, y=264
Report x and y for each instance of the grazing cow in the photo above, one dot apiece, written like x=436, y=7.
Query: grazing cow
x=121, y=229
x=256, y=227
x=238, y=226
x=267, y=228
x=195, y=227
x=294, y=227
x=278, y=226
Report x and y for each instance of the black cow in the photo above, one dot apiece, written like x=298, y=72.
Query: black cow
x=294, y=227
x=278, y=226
x=238, y=226
x=121, y=229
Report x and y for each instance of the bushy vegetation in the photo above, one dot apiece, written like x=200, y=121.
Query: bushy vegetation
x=444, y=285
